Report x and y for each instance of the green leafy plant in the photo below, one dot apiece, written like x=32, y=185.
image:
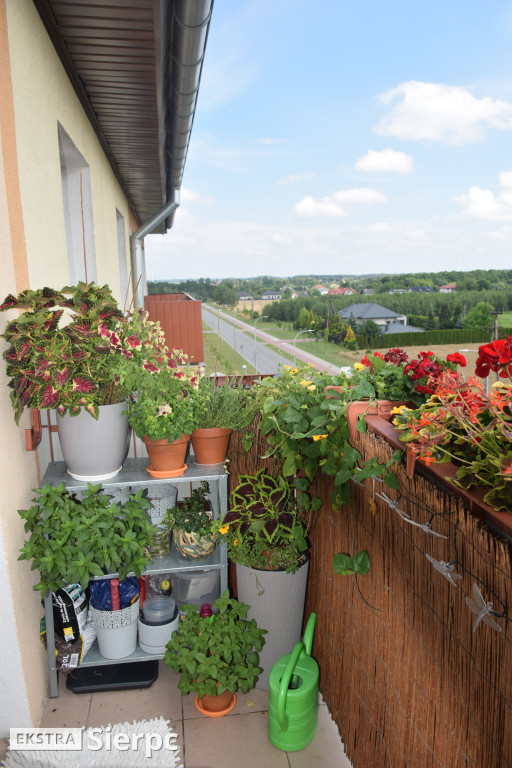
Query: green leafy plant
x=218, y=652
x=225, y=404
x=75, y=348
x=72, y=541
x=262, y=527
x=168, y=402
x=193, y=514
x=348, y=566
x=304, y=427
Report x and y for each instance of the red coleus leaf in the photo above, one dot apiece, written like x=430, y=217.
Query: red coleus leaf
x=63, y=375
x=9, y=302
x=82, y=384
x=49, y=397
x=270, y=527
x=52, y=321
x=81, y=328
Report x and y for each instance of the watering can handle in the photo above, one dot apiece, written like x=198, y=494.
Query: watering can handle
x=283, y=687
x=308, y=633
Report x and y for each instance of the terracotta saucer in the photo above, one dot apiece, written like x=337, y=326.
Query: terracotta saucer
x=172, y=473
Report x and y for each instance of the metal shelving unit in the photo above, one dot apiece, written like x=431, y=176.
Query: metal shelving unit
x=134, y=475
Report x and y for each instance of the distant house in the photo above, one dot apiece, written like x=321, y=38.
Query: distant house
x=398, y=290
x=271, y=296
x=399, y=328
x=421, y=289
x=368, y=292
x=448, y=288
x=375, y=312
x=341, y=292
x=244, y=296
x=320, y=288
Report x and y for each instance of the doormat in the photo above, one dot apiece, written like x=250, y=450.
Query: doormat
x=144, y=743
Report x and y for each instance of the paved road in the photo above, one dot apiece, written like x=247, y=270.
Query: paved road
x=253, y=348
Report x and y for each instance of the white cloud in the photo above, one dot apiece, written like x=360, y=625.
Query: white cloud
x=294, y=177
x=282, y=237
x=359, y=195
x=332, y=205
x=484, y=204
x=322, y=207
x=385, y=161
x=381, y=226
x=440, y=112
x=271, y=141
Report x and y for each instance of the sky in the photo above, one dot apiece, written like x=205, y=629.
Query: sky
x=347, y=138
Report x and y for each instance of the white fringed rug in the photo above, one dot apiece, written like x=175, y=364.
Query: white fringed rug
x=108, y=756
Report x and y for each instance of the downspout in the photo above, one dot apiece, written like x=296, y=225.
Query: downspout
x=136, y=253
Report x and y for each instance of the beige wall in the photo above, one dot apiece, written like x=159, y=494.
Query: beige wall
x=43, y=97
x=35, y=96
x=22, y=664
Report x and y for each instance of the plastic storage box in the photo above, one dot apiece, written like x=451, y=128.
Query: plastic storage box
x=196, y=587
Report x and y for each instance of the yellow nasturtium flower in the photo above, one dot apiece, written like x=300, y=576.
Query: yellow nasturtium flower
x=294, y=371
x=359, y=366
x=319, y=437
x=312, y=387
x=306, y=383
x=224, y=529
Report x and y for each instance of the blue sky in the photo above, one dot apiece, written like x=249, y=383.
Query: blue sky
x=341, y=137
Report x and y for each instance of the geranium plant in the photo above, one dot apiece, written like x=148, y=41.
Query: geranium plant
x=262, y=527
x=464, y=424
x=395, y=376
x=168, y=402
x=75, y=348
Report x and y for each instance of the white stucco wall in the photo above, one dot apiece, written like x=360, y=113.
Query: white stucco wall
x=43, y=98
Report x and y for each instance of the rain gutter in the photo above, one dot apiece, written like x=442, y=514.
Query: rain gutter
x=181, y=44
x=136, y=252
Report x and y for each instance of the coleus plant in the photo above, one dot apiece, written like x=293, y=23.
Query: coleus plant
x=262, y=527
x=75, y=348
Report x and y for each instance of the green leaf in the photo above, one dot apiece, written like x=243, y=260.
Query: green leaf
x=342, y=564
x=361, y=562
x=289, y=467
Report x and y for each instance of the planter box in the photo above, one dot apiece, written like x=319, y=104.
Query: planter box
x=439, y=474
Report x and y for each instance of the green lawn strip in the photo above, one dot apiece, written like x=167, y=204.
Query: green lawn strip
x=228, y=362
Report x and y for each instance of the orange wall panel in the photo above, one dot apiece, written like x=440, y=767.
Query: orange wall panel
x=180, y=320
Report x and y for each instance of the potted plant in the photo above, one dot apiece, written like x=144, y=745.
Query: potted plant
x=73, y=541
x=224, y=411
x=303, y=427
x=216, y=653
x=267, y=539
x=165, y=411
x=469, y=427
x=195, y=534
x=75, y=350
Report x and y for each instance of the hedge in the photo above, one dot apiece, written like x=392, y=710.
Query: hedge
x=427, y=338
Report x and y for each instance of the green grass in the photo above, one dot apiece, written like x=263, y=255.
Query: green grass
x=505, y=319
x=228, y=361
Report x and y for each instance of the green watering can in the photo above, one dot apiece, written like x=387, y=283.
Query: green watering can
x=293, y=695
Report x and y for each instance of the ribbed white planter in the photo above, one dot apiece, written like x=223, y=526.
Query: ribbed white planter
x=94, y=450
x=276, y=600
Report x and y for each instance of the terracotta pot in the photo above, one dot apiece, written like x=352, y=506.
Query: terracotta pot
x=216, y=706
x=167, y=459
x=210, y=445
x=380, y=408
